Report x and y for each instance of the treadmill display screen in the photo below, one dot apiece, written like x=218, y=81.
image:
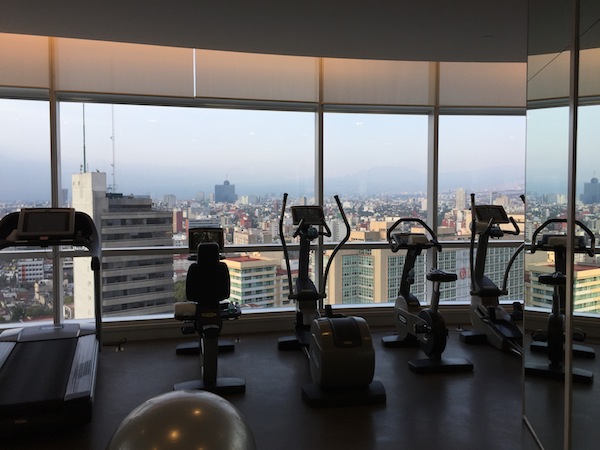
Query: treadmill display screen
x=495, y=213
x=46, y=222
x=199, y=235
x=309, y=215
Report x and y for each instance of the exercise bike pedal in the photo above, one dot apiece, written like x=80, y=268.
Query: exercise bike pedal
x=517, y=313
x=422, y=329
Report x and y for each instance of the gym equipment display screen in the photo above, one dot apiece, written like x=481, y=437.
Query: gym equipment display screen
x=199, y=235
x=495, y=213
x=308, y=215
x=46, y=222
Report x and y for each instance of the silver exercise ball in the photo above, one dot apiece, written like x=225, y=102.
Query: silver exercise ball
x=183, y=420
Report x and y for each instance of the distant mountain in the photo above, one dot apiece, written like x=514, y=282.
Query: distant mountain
x=401, y=179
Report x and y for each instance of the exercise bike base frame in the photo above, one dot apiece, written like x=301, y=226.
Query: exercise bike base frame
x=316, y=397
x=580, y=351
x=395, y=341
x=443, y=365
x=473, y=337
x=193, y=348
x=558, y=373
x=221, y=386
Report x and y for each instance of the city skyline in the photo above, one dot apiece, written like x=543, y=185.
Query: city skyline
x=182, y=151
x=170, y=150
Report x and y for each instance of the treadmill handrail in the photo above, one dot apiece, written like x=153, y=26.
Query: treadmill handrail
x=85, y=235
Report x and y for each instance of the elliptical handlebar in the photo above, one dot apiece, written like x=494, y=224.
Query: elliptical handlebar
x=516, y=231
x=394, y=244
x=327, y=233
x=284, y=245
x=591, y=250
x=337, y=247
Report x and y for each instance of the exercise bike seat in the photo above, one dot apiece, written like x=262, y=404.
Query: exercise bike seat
x=207, y=281
x=555, y=279
x=441, y=276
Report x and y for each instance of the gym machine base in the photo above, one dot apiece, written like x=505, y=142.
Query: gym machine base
x=48, y=372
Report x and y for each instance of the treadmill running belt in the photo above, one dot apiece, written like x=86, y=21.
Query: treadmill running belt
x=37, y=371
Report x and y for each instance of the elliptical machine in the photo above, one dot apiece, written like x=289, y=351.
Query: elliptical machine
x=552, y=341
x=491, y=322
x=207, y=285
x=415, y=325
x=339, y=348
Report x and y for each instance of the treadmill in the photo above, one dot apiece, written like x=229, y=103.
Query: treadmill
x=48, y=371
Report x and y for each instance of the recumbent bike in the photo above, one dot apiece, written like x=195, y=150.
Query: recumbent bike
x=207, y=287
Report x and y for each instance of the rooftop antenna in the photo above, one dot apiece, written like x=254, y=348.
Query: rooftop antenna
x=112, y=138
x=84, y=162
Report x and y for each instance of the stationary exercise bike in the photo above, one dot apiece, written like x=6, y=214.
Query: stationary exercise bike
x=415, y=325
x=339, y=348
x=491, y=322
x=552, y=341
x=207, y=285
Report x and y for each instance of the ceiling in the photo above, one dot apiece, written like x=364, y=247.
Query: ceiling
x=431, y=30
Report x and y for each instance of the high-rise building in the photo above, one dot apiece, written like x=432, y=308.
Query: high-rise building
x=131, y=285
x=591, y=192
x=225, y=193
x=461, y=199
x=30, y=270
x=253, y=281
x=373, y=276
x=585, y=289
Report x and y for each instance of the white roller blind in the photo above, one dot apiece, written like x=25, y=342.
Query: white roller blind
x=119, y=68
x=483, y=84
x=376, y=82
x=258, y=77
x=548, y=76
x=24, y=61
x=589, y=72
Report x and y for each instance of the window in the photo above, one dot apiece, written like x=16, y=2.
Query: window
x=205, y=152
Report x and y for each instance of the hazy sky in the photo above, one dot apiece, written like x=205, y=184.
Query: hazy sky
x=179, y=150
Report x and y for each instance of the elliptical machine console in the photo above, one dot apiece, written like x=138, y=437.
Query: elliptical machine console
x=339, y=348
x=491, y=322
x=414, y=324
x=552, y=341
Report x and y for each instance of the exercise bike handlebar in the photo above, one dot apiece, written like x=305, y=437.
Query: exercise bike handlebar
x=589, y=250
x=433, y=239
